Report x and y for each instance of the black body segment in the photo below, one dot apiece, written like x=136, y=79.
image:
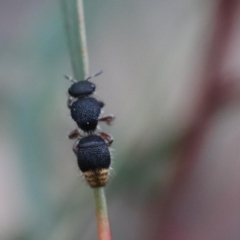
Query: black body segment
x=93, y=154
x=85, y=112
x=81, y=89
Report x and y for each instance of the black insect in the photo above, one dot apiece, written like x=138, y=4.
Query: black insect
x=85, y=110
x=92, y=146
x=94, y=159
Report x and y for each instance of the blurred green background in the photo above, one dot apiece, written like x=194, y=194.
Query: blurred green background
x=149, y=52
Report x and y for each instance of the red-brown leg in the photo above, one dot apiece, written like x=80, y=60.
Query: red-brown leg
x=74, y=134
x=108, y=119
x=107, y=138
x=75, y=146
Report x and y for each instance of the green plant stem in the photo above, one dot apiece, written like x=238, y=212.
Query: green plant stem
x=104, y=232
x=75, y=27
x=83, y=38
x=73, y=14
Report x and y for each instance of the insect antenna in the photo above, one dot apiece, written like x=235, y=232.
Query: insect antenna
x=71, y=79
x=95, y=75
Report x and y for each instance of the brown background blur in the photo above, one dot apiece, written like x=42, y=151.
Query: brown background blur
x=171, y=76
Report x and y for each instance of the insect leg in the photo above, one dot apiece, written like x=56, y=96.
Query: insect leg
x=107, y=138
x=108, y=119
x=74, y=134
x=75, y=146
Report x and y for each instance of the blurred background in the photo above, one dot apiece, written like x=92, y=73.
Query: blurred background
x=171, y=77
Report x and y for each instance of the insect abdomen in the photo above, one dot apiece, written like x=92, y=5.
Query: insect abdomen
x=94, y=160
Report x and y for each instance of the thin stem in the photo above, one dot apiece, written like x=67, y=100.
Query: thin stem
x=104, y=232
x=83, y=38
x=73, y=14
x=75, y=27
